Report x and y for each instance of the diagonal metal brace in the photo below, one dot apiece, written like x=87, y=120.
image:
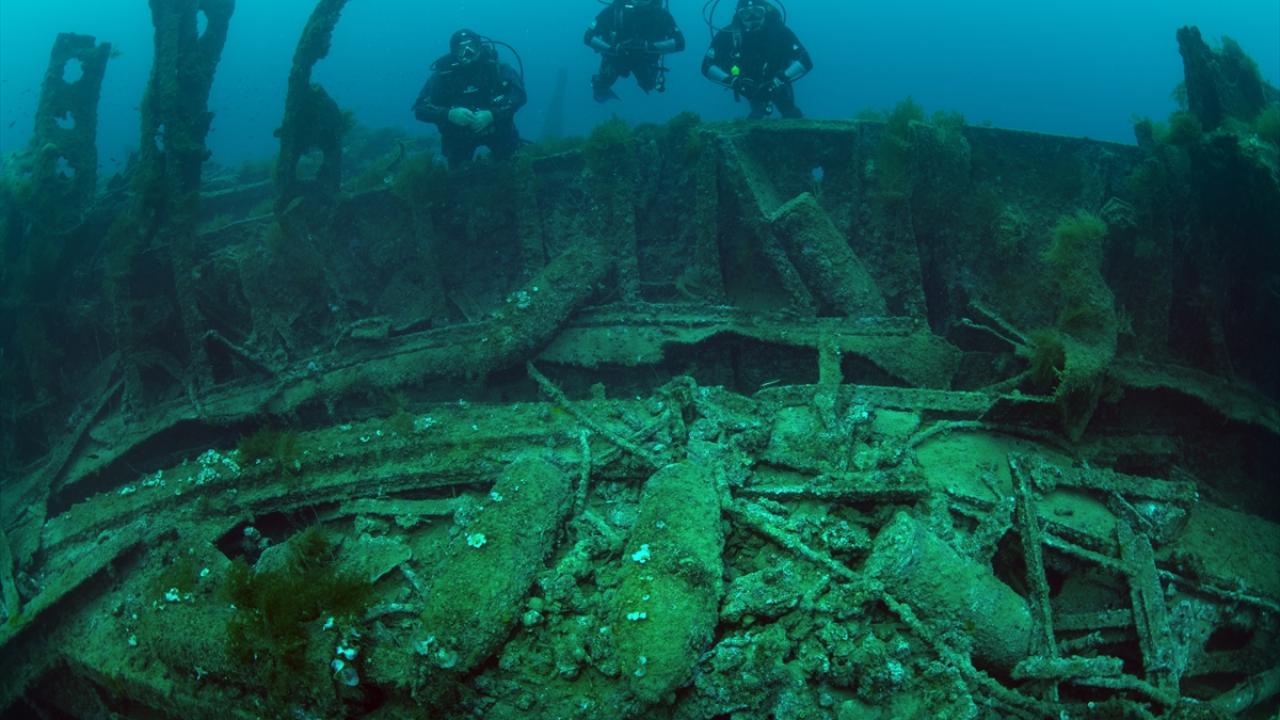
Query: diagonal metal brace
x=1150, y=615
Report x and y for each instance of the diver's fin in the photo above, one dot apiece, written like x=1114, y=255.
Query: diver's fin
x=605, y=95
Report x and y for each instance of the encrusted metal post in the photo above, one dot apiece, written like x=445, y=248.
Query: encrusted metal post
x=744, y=180
x=312, y=120
x=9, y=598
x=153, y=259
x=63, y=153
x=533, y=252
x=705, y=271
x=44, y=194
x=1028, y=520
x=1149, y=611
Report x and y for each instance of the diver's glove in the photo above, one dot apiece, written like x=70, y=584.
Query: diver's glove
x=462, y=117
x=481, y=121
x=602, y=46
x=634, y=46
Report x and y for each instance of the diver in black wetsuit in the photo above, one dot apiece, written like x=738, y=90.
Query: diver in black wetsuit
x=631, y=37
x=759, y=58
x=472, y=98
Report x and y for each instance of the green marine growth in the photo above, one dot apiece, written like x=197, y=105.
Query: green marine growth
x=916, y=151
x=1267, y=125
x=1075, y=257
x=268, y=444
x=1077, y=351
x=182, y=574
x=1048, y=358
x=684, y=138
x=422, y=180
x=893, y=156
x=395, y=405
x=609, y=149
x=1183, y=130
x=278, y=611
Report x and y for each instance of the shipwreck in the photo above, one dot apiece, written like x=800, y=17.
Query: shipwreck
x=886, y=417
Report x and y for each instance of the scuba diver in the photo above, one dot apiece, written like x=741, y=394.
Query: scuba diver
x=631, y=37
x=472, y=97
x=758, y=57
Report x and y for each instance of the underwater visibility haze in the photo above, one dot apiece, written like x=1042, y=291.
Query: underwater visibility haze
x=577, y=360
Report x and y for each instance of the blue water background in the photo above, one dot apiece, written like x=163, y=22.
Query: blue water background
x=1083, y=68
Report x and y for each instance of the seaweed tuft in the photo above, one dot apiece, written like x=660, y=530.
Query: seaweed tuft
x=1184, y=129
x=1267, y=125
x=894, y=155
x=182, y=574
x=278, y=610
x=271, y=444
x=1077, y=242
x=422, y=180
x=608, y=149
x=1048, y=360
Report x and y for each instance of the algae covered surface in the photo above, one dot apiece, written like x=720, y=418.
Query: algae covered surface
x=851, y=419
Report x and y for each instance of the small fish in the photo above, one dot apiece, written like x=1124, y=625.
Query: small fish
x=115, y=53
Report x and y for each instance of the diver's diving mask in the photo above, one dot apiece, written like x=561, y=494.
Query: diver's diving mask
x=467, y=51
x=752, y=17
